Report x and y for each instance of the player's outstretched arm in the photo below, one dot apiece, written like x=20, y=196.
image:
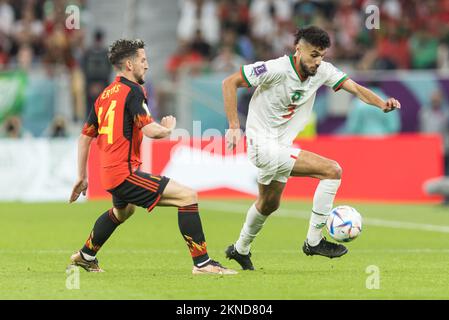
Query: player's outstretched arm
x=368, y=96
x=83, y=154
x=159, y=131
x=229, y=87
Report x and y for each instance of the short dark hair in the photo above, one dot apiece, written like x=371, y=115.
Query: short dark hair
x=317, y=37
x=124, y=48
x=98, y=35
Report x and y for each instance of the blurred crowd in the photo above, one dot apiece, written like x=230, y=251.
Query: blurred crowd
x=41, y=39
x=35, y=29
x=221, y=35
x=212, y=36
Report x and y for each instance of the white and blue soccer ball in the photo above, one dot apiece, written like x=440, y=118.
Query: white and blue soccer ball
x=344, y=224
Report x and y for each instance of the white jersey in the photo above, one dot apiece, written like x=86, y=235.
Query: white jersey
x=282, y=104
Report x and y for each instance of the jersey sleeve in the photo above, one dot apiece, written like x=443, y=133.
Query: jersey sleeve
x=335, y=77
x=137, y=106
x=261, y=72
x=90, y=127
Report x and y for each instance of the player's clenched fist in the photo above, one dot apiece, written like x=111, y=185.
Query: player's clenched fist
x=391, y=105
x=233, y=137
x=169, y=122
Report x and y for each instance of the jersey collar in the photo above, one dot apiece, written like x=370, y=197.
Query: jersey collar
x=298, y=72
x=123, y=79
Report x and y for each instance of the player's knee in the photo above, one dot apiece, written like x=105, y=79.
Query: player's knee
x=190, y=196
x=334, y=171
x=268, y=205
x=121, y=214
x=124, y=213
x=130, y=210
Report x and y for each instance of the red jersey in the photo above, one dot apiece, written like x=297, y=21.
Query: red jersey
x=116, y=119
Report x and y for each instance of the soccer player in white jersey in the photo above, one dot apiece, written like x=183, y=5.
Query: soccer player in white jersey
x=278, y=111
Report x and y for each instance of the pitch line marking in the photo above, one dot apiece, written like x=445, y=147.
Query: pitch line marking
x=236, y=208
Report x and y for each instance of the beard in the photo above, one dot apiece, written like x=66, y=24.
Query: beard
x=307, y=70
x=140, y=79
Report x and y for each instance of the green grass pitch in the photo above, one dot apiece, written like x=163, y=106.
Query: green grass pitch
x=146, y=257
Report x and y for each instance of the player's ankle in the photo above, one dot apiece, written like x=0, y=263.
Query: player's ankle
x=86, y=256
x=202, y=264
x=313, y=242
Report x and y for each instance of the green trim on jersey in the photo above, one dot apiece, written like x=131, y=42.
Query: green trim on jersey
x=242, y=71
x=335, y=87
x=296, y=71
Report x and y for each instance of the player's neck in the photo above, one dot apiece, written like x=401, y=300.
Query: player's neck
x=296, y=59
x=128, y=76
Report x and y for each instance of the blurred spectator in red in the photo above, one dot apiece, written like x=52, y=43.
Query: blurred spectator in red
x=444, y=12
x=4, y=57
x=393, y=51
x=261, y=29
x=59, y=45
x=59, y=55
x=184, y=60
x=234, y=14
x=348, y=23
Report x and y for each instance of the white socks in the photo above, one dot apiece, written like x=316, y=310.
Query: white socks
x=323, y=201
x=322, y=205
x=254, y=222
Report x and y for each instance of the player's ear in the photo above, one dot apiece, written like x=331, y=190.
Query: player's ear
x=129, y=65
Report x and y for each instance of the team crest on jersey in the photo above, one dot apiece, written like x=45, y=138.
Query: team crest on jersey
x=297, y=95
x=259, y=70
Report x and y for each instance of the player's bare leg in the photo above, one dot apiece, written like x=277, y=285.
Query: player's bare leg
x=123, y=214
x=309, y=164
x=102, y=230
x=189, y=222
x=177, y=195
x=267, y=203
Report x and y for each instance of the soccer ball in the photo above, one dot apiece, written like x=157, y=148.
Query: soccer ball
x=344, y=224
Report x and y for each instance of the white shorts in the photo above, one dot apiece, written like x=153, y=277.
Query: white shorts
x=275, y=162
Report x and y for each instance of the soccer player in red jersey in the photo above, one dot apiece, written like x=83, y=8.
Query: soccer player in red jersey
x=118, y=122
